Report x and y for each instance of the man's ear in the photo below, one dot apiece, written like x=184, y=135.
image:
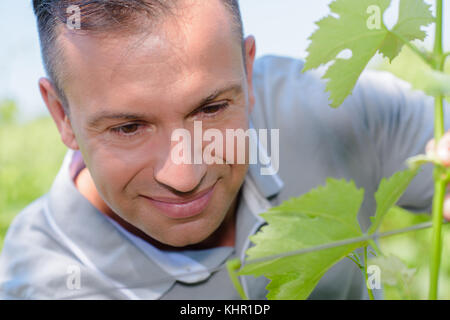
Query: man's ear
x=56, y=109
x=250, y=53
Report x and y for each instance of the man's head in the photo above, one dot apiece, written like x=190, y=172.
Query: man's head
x=103, y=16
x=135, y=72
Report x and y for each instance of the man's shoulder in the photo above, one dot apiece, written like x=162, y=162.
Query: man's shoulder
x=27, y=218
x=285, y=94
x=274, y=64
x=28, y=254
x=28, y=232
x=282, y=70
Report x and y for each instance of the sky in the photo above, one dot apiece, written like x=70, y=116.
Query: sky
x=281, y=27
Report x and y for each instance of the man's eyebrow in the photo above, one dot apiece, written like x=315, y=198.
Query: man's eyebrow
x=106, y=115
x=235, y=88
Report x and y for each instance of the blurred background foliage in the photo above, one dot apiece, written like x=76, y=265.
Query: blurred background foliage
x=30, y=156
x=32, y=152
x=413, y=248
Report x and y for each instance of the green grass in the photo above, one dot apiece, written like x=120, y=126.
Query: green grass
x=30, y=157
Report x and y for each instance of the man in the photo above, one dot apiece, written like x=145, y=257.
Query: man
x=123, y=220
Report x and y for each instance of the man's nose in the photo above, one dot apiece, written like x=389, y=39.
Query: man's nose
x=181, y=177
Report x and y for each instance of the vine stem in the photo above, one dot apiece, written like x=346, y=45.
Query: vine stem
x=369, y=290
x=436, y=246
x=439, y=182
x=233, y=266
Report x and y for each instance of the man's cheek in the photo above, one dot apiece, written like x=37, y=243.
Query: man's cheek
x=227, y=146
x=111, y=182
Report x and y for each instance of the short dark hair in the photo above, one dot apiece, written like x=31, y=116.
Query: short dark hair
x=99, y=16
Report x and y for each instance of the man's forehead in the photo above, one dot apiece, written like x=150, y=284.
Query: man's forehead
x=190, y=25
x=180, y=53
x=182, y=41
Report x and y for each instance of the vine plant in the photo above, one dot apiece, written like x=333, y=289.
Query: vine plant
x=306, y=236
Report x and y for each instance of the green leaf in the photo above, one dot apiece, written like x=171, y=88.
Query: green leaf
x=360, y=29
x=323, y=215
x=394, y=272
x=422, y=76
x=335, y=35
x=413, y=14
x=388, y=193
x=398, y=218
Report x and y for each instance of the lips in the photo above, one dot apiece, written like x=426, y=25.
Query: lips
x=178, y=208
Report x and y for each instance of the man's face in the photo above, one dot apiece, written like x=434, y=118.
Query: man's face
x=127, y=94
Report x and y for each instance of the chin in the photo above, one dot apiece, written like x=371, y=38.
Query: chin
x=183, y=242
x=182, y=235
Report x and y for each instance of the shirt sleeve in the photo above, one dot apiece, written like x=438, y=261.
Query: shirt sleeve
x=400, y=122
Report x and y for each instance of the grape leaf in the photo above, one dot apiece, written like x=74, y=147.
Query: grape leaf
x=357, y=29
x=398, y=217
x=413, y=14
x=323, y=215
x=388, y=193
x=422, y=76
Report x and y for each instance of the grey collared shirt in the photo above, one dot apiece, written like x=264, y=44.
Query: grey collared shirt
x=62, y=247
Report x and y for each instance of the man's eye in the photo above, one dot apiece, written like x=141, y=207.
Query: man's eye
x=127, y=130
x=213, y=109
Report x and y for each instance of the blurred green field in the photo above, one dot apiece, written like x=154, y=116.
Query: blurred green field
x=30, y=157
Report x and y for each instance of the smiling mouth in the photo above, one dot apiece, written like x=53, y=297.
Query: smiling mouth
x=182, y=208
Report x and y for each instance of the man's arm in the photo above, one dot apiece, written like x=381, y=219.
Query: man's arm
x=401, y=123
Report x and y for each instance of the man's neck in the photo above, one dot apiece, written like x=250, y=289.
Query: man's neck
x=224, y=236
